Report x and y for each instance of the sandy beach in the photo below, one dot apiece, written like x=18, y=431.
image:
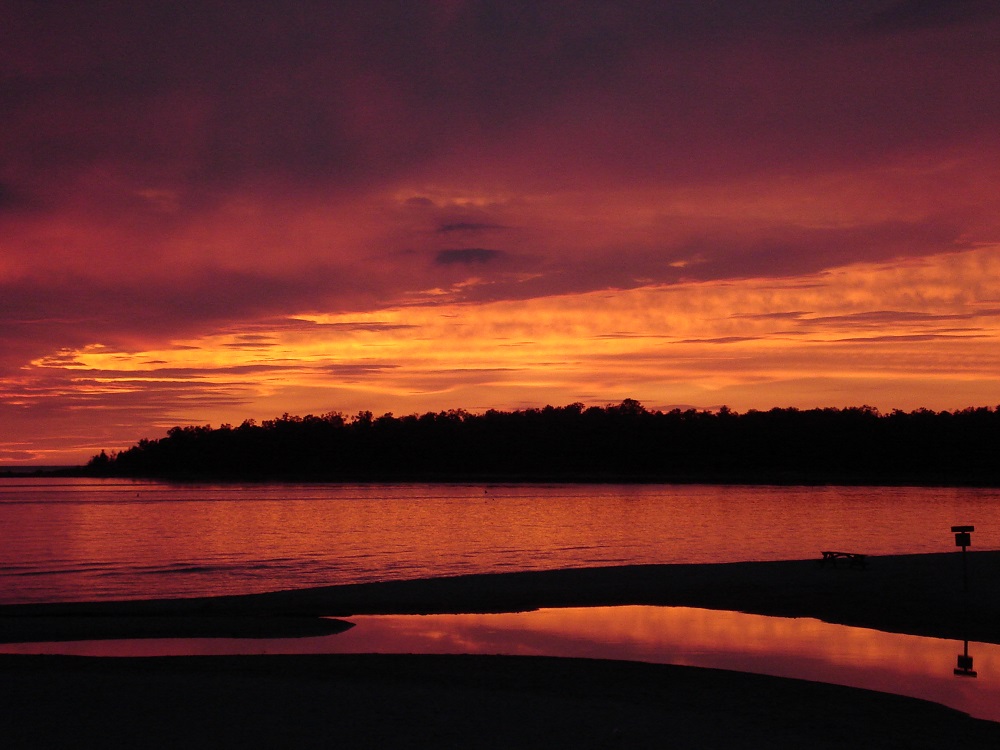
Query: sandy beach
x=476, y=701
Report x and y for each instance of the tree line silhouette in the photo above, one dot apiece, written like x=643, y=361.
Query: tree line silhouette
x=622, y=442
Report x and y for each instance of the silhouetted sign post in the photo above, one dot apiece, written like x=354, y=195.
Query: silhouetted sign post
x=963, y=539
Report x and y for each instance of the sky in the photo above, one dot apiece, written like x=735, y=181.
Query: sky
x=215, y=211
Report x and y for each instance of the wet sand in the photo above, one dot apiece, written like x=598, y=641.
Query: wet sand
x=445, y=701
x=473, y=701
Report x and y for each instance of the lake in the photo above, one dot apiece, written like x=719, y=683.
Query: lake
x=89, y=539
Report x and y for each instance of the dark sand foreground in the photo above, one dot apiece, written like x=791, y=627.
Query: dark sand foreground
x=449, y=701
x=475, y=701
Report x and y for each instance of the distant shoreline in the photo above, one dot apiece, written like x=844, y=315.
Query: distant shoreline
x=41, y=471
x=616, y=443
x=779, y=479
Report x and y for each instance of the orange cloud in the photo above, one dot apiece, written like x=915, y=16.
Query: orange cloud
x=919, y=334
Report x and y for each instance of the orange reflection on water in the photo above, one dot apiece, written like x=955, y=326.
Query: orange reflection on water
x=798, y=648
x=678, y=634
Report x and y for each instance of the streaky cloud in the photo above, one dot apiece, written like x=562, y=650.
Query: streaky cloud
x=468, y=226
x=720, y=340
x=913, y=337
x=878, y=318
x=467, y=256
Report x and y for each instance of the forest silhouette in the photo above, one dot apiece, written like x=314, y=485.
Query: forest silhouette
x=622, y=442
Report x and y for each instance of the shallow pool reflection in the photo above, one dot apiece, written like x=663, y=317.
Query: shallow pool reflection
x=801, y=648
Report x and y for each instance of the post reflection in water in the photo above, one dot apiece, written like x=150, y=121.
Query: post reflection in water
x=964, y=668
x=800, y=648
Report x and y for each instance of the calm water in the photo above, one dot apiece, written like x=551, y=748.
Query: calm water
x=802, y=648
x=63, y=540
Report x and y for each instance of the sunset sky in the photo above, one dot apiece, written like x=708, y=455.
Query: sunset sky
x=212, y=211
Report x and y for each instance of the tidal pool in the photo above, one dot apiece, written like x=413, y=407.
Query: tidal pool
x=930, y=668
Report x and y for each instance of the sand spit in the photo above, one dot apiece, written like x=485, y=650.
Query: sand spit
x=914, y=594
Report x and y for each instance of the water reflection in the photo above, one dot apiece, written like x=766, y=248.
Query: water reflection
x=964, y=668
x=800, y=648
